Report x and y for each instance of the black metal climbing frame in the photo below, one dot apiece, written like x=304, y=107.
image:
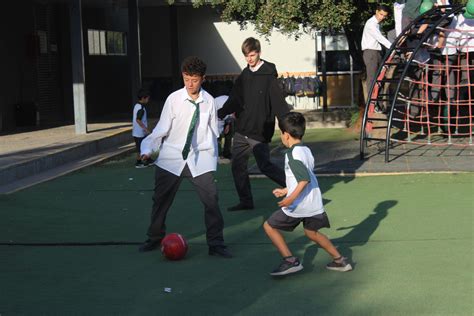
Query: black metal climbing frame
x=403, y=88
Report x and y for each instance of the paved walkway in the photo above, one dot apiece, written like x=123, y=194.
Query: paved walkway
x=343, y=158
x=30, y=157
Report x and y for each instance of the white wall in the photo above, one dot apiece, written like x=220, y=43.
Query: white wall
x=219, y=44
x=201, y=33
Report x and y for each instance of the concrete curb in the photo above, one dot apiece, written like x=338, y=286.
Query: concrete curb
x=51, y=161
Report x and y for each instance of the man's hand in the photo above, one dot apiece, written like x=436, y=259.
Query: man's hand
x=144, y=157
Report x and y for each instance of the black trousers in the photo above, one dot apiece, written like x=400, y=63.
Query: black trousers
x=166, y=186
x=242, y=147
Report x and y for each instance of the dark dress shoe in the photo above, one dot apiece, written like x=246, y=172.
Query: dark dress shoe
x=149, y=245
x=240, y=207
x=220, y=251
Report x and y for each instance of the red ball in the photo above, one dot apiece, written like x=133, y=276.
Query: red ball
x=174, y=246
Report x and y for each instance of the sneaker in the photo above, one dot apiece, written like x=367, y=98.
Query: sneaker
x=341, y=266
x=287, y=267
x=139, y=164
x=148, y=163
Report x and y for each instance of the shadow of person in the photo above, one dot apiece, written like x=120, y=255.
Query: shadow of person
x=358, y=235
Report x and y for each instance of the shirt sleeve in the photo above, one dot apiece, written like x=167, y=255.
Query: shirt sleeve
x=374, y=31
x=140, y=114
x=234, y=102
x=277, y=100
x=298, y=168
x=213, y=122
x=152, y=142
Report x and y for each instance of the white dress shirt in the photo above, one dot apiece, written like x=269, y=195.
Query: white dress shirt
x=169, y=135
x=466, y=37
x=372, y=37
x=452, y=38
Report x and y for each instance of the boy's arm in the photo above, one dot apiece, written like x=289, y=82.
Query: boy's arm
x=152, y=142
x=292, y=197
x=301, y=173
x=233, y=103
x=277, y=100
x=139, y=122
x=213, y=122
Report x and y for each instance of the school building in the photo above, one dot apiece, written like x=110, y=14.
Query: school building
x=79, y=61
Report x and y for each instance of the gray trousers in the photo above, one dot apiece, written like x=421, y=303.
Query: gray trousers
x=444, y=73
x=242, y=147
x=372, y=60
x=166, y=186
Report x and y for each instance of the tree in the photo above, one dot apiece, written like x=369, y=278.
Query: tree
x=287, y=16
x=292, y=17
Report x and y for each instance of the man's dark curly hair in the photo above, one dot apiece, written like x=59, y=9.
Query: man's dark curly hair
x=192, y=66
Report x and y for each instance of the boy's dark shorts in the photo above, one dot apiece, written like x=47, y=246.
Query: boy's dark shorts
x=138, y=142
x=279, y=220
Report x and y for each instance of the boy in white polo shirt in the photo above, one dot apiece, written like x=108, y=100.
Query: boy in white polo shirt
x=140, y=124
x=186, y=137
x=302, y=202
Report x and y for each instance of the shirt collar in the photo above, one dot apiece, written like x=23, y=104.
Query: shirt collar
x=185, y=96
x=257, y=67
x=293, y=147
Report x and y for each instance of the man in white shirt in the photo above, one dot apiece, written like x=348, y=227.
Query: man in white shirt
x=444, y=64
x=372, y=39
x=186, y=137
x=466, y=48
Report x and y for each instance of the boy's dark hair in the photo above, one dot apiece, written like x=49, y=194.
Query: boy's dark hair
x=193, y=66
x=143, y=93
x=249, y=45
x=383, y=7
x=293, y=123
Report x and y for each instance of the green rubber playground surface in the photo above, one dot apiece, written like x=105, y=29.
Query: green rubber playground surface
x=69, y=247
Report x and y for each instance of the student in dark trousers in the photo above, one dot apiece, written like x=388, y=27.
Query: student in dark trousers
x=186, y=136
x=371, y=44
x=256, y=100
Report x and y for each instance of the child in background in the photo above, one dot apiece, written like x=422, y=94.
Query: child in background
x=140, y=124
x=302, y=202
x=226, y=129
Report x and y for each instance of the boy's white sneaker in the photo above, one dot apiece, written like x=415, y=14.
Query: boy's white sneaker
x=339, y=264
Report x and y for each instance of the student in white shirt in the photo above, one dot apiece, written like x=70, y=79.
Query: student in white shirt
x=302, y=201
x=445, y=63
x=226, y=131
x=186, y=137
x=466, y=48
x=372, y=39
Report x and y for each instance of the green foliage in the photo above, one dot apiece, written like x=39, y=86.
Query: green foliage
x=286, y=15
x=289, y=15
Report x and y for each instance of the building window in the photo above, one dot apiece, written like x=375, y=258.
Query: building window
x=107, y=43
